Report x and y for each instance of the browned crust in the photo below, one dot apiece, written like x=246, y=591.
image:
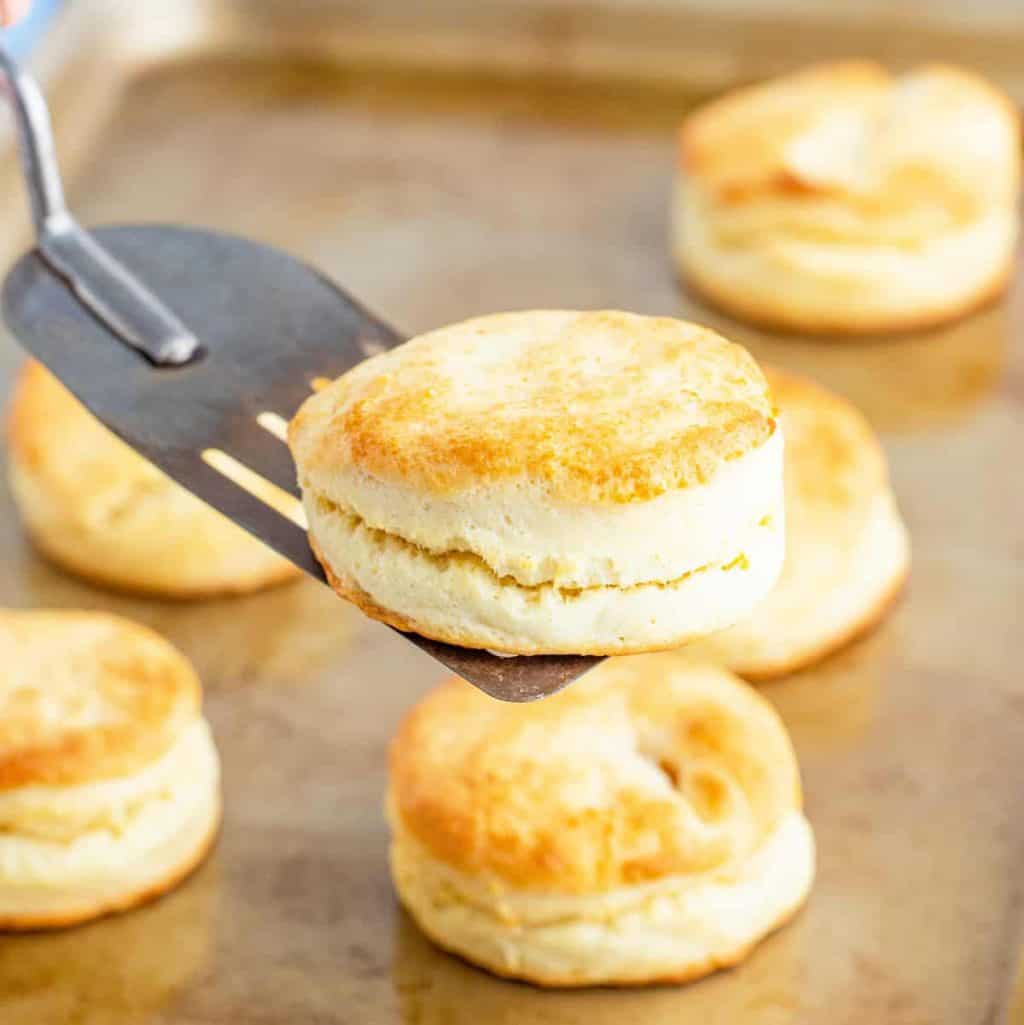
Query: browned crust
x=690, y=974
x=766, y=672
x=18, y=420
x=357, y=596
x=127, y=902
x=479, y=786
x=721, y=140
x=737, y=142
x=152, y=684
x=401, y=417
x=866, y=329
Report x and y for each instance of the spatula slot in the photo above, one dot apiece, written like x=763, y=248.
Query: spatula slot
x=257, y=486
x=274, y=424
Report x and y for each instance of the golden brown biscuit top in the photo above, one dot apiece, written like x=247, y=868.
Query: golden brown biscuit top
x=936, y=135
x=649, y=767
x=86, y=696
x=596, y=407
x=834, y=461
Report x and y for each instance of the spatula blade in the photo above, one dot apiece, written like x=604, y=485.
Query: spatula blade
x=269, y=326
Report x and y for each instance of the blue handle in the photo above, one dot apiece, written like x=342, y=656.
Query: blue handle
x=21, y=39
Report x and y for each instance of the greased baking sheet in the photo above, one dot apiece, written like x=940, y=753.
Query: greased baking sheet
x=436, y=198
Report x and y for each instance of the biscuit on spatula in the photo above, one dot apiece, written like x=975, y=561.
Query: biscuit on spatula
x=548, y=482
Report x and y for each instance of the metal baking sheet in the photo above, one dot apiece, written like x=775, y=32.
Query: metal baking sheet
x=435, y=198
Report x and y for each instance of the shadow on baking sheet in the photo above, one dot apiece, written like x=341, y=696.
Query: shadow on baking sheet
x=117, y=971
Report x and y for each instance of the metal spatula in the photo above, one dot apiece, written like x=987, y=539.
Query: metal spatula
x=195, y=348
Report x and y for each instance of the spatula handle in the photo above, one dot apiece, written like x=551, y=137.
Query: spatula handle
x=102, y=284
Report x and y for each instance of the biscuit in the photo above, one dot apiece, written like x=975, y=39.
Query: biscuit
x=109, y=778
x=548, y=482
x=847, y=549
x=842, y=199
x=643, y=825
x=97, y=508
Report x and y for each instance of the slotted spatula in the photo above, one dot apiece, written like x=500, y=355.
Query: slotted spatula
x=195, y=348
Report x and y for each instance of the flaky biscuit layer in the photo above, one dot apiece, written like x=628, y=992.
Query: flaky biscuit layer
x=455, y=597
x=665, y=931
x=517, y=531
x=75, y=852
x=802, y=283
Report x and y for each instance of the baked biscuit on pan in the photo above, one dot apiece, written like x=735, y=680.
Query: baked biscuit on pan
x=643, y=825
x=109, y=778
x=843, y=199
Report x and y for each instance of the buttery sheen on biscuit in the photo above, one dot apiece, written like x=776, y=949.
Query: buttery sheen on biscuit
x=548, y=482
x=97, y=508
x=844, y=199
x=109, y=779
x=847, y=549
x=643, y=825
